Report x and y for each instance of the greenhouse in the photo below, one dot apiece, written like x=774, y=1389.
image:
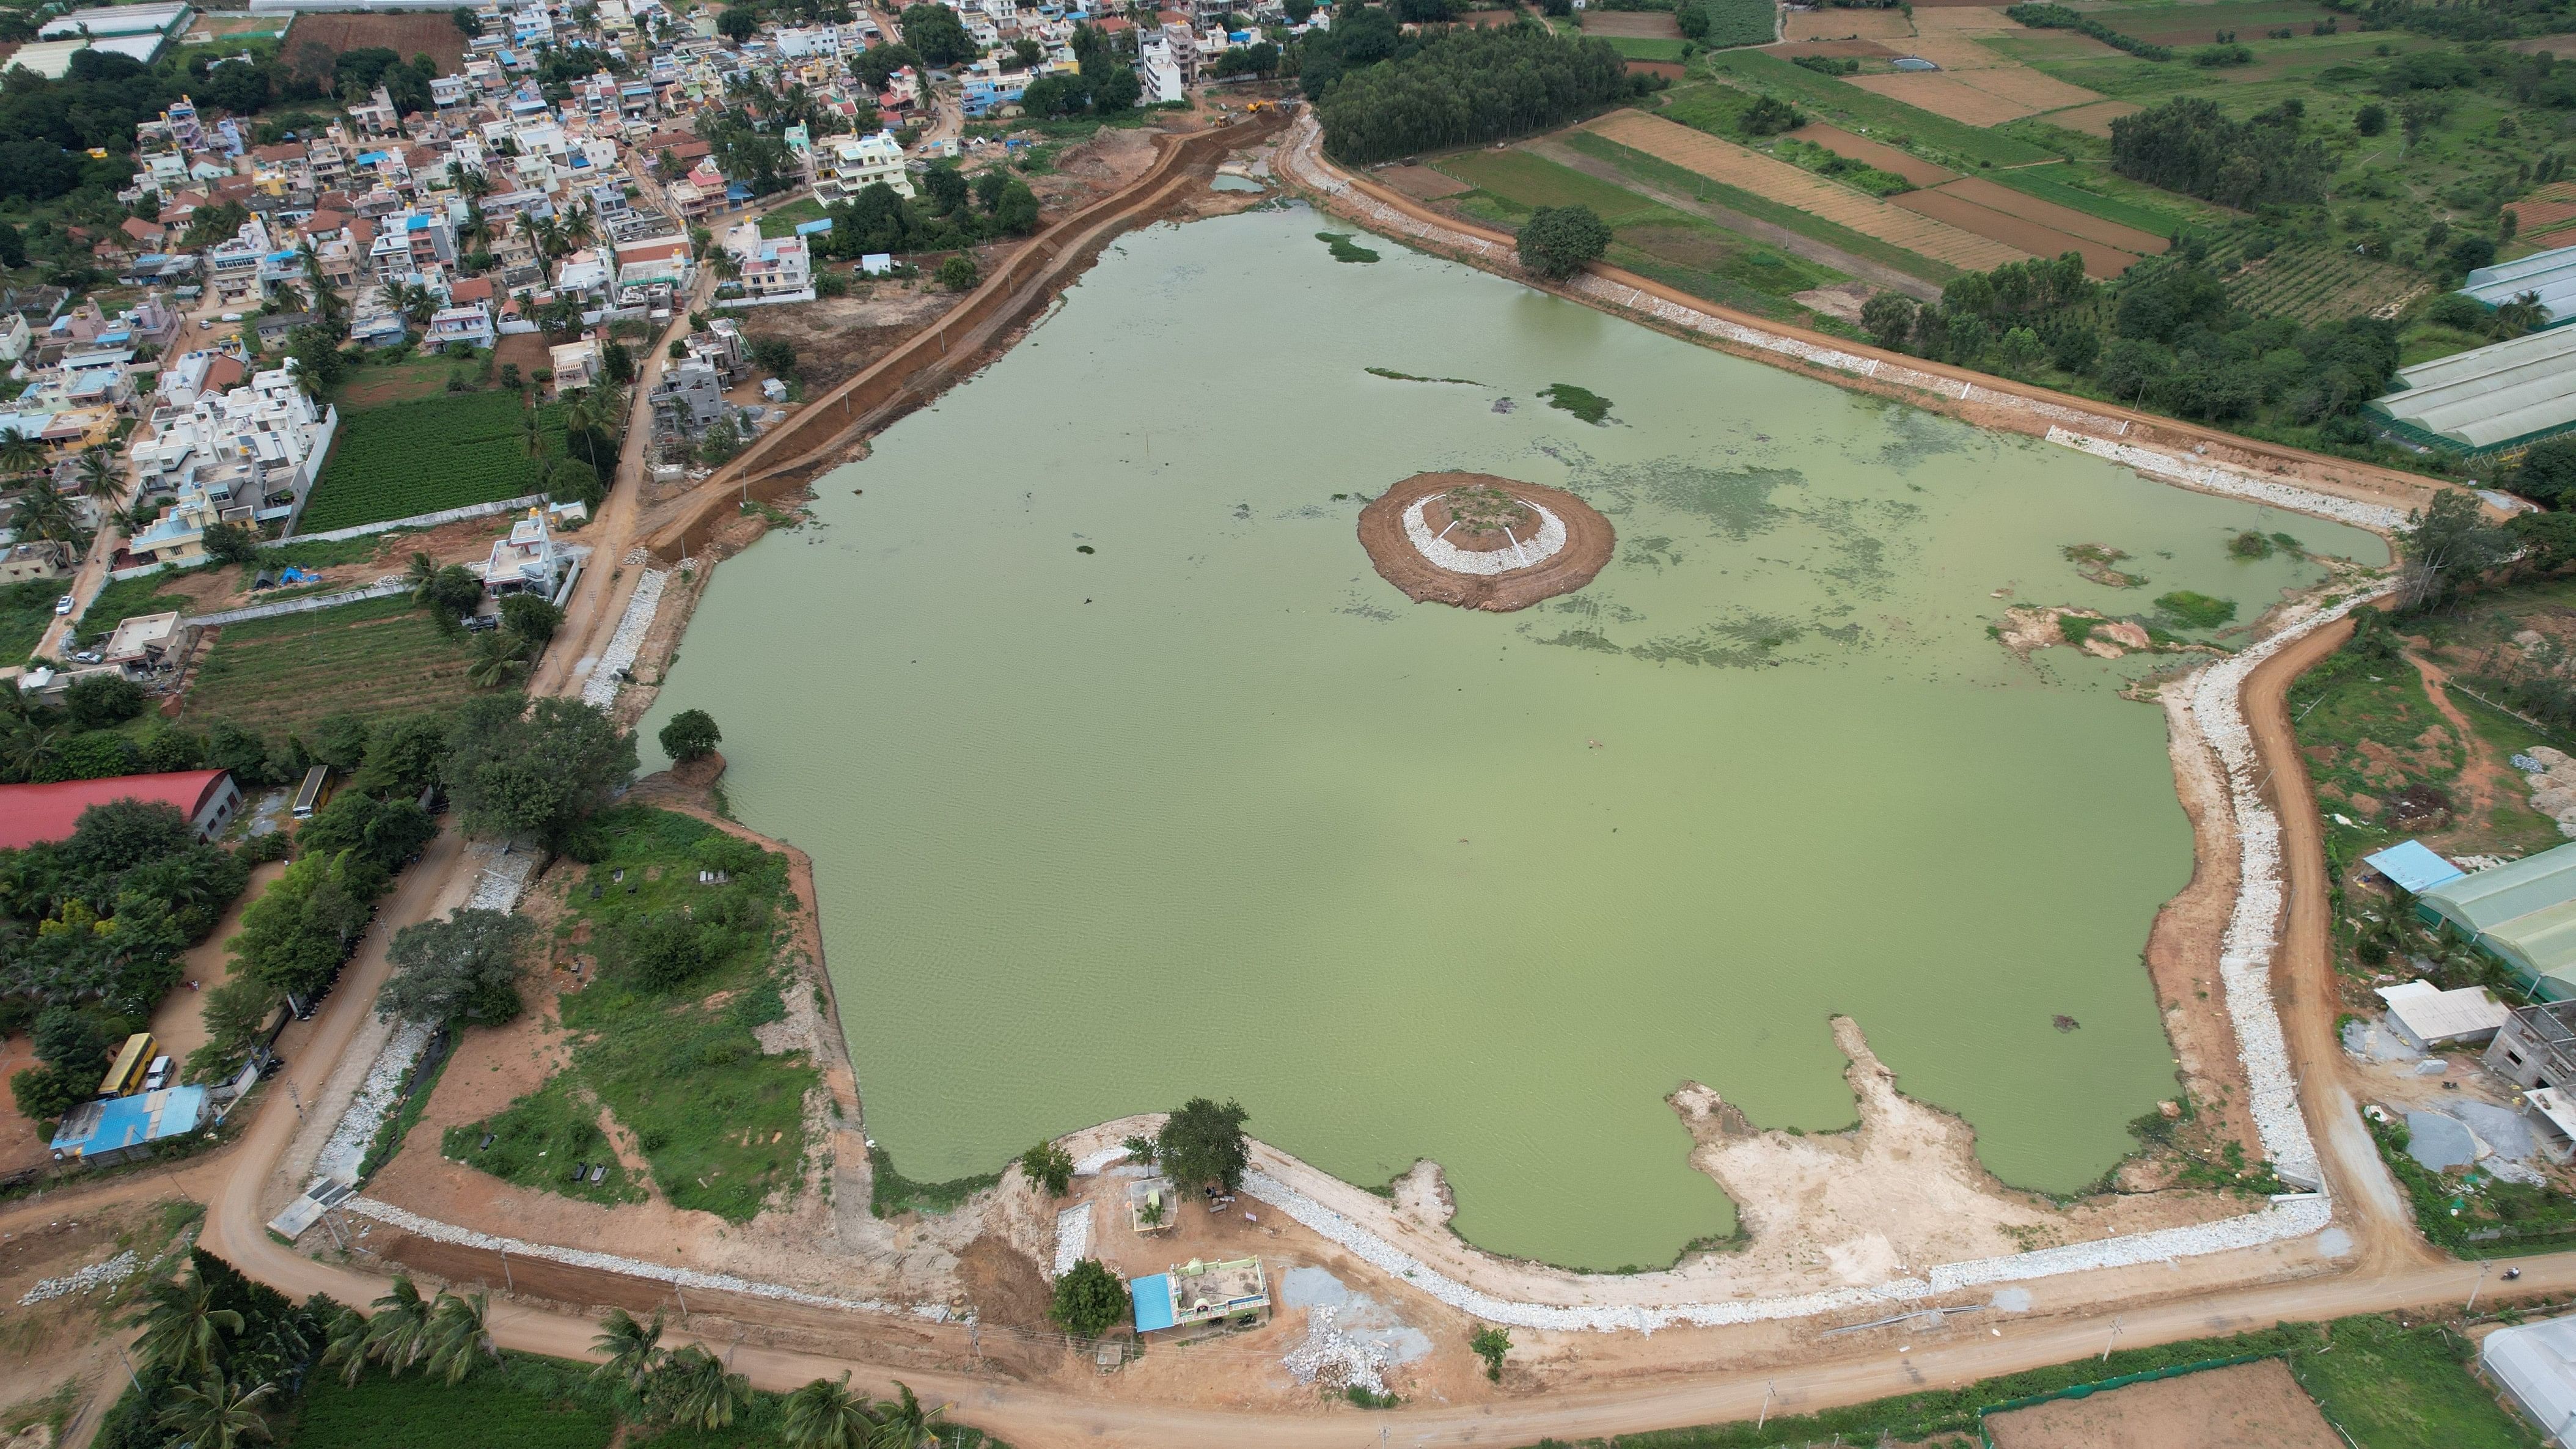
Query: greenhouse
x=2488, y=400
x=2549, y=276
x=2522, y=913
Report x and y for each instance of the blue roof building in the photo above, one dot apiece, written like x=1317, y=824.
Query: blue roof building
x=2411, y=865
x=120, y=1128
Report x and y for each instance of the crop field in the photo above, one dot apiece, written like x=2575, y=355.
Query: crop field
x=2182, y=25
x=414, y=377
x=436, y=453
x=1886, y=158
x=1848, y=25
x=1638, y=48
x=1739, y=22
x=2095, y=119
x=1948, y=96
x=276, y=676
x=1877, y=115
x=2036, y=238
x=1733, y=165
x=2316, y=281
x=512, y=1407
x=1682, y=251
x=434, y=34
x=1640, y=24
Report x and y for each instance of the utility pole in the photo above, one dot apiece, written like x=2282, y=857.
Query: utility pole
x=1767, y=1386
x=2483, y=1270
x=2114, y=1338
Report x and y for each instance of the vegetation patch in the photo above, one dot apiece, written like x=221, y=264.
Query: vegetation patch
x=2099, y=561
x=120, y=599
x=1826, y=162
x=551, y=1140
x=1592, y=407
x=481, y=442
x=1924, y=132
x=1394, y=376
x=2189, y=610
x=1343, y=248
x=891, y=1194
x=286, y=674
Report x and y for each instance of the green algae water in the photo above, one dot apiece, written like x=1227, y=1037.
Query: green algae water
x=1126, y=779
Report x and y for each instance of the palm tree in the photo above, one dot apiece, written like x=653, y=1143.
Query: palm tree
x=100, y=481
x=458, y=1336
x=2518, y=316
x=499, y=658
x=576, y=226
x=697, y=1392
x=422, y=576
x=286, y=298
x=21, y=451
x=216, y=1414
x=534, y=231
x=45, y=513
x=826, y=1415
x=903, y=1424
x=182, y=1327
x=630, y=1349
x=32, y=748
x=533, y=431
x=398, y=1334
x=346, y=1343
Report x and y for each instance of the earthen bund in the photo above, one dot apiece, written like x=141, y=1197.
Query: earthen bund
x=1588, y=543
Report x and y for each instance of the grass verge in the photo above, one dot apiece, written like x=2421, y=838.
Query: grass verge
x=891, y=1194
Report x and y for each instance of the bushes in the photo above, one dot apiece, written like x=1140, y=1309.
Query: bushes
x=1557, y=241
x=2058, y=17
x=2189, y=145
x=1468, y=87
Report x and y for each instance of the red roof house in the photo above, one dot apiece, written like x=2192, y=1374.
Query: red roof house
x=34, y=814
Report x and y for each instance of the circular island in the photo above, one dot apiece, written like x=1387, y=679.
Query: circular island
x=1482, y=542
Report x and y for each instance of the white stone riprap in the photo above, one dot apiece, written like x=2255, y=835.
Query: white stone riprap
x=2235, y=482
x=601, y=688
x=501, y=882
x=439, y=1232
x=1072, y=1238
x=346, y=1151
x=1538, y=548
x=97, y=1275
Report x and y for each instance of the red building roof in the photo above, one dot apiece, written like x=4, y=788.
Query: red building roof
x=32, y=814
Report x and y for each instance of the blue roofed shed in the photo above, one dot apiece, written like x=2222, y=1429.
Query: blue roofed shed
x=119, y=1128
x=2414, y=866
x=1201, y=1292
x=1153, y=1302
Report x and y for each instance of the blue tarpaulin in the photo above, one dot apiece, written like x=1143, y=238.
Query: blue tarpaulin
x=2412, y=865
x=1153, y=1302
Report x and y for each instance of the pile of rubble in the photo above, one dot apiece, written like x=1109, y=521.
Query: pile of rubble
x=97, y=1275
x=1334, y=1359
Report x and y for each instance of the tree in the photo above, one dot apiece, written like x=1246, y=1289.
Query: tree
x=2443, y=549
x=826, y=1415
x=542, y=774
x=466, y=966
x=574, y=481
x=216, y=1413
x=934, y=33
x=1770, y=116
x=2548, y=540
x=499, y=658
x=98, y=701
x=1049, y=1166
x=454, y=592
x=532, y=617
x=691, y=734
x=2020, y=352
x=957, y=274
x=231, y=543
x=398, y=1333
x=1888, y=318
x=694, y=1390
x=1089, y=1300
x=183, y=1327
x=776, y=355
x=458, y=1336
x=1490, y=1344
x=629, y=1351
x=1204, y=1143
x=2547, y=472
x=2370, y=120
x=1557, y=241
x=388, y=834
x=902, y=1423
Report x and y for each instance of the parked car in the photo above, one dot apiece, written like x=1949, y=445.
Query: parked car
x=480, y=623
x=159, y=1076
x=89, y=656
x=62, y=606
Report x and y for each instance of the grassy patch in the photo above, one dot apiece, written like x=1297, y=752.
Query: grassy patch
x=721, y=1124
x=324, y=553
x=1529, y=182
x=1592, y=407
x=1663, y=174
x=1647, y=47
x=892, y=1194
x=121, y=599
x=1911, y=126
x=25, y=610
x=382, y=656
x=1343, y=248
x=2368, y=729
x=525, y=1403
x=2189, y=610
x=540, y=1139
x=2400, y=1388
x=2073, y=187
x=479, y=443
x=783, y=220
x=408, y=379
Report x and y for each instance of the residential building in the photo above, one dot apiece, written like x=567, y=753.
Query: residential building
x=688, y=398
x=525, y=561
x=783, y=268
x=846, y=165
x=250, y=452
x=43, y=559
x=469, y=323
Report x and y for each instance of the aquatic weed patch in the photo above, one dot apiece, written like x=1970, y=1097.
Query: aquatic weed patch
x=1344, y=249
x=1392, y=375
x=1592, y=407
x=2189, y=610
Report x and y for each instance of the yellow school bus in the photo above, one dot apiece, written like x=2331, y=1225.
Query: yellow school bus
x=126, y=1073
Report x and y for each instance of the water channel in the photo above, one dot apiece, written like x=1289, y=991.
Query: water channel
x=1127, y=780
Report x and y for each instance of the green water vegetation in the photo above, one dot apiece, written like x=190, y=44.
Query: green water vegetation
x=1591, y=407
x=1343, y=248
x=2099, y=562
x=891, y=1194
x=678, y=926
x=2188, y=610
x=2386, y=1383
x=1394, y=376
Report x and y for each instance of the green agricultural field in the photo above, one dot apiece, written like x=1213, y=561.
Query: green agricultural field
x=2112, y=198
x=1685, y=252
x=418, y=457
x=721, y=1123
x=1894, y=122
x=2313, y=281
x=276, y=676
x=1657, y=172
x=523, y=1403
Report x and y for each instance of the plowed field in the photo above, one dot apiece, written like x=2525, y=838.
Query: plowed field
x=433, y=34
x=2095, y=119
x=2064, y=218
x=1857, y=49
x=1637, y=24
x=2255, y=1403
x=2100, y=261
x=1886, y=158
x=1779, y=181
x=1944, y=95
x=1848, y=25
x=1963, y=19
x=1954, y=52
x=2026, y=87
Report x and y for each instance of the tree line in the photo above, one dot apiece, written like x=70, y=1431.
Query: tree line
x=2189, y=145
x=1467, y=87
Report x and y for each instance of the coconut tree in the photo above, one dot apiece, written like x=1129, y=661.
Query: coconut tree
x=345, y=1341
x=500, y=658
x=182, y=1328
x=695, y=1390
x=398, y=1333
x=100, y=481
x=20, y=451
x=826, y=1415
x=630, y=1350
x=577, y=227
x=216, y=1413
x=459, y=1336
x=45, y=513
x=31, y=749
x=532, y=432
x=902, y=1423
x=421, y=577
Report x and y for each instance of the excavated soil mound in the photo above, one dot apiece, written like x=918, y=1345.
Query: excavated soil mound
x=1588, y=542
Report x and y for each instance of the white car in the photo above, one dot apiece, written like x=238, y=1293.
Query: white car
x=62, y=606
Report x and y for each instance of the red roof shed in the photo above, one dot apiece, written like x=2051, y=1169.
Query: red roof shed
x=33, y=814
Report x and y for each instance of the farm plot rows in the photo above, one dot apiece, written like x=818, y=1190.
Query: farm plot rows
x=1997, y=197
x=1886, y=158
x=1723, y=161
x=1877, y=114
x=2317, y=282
x=2095, y=119
x=437, y=453
x=433, y=34
x=1848, y=25
x=1944, y=204
x=281, y=675
x=1639, y=24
